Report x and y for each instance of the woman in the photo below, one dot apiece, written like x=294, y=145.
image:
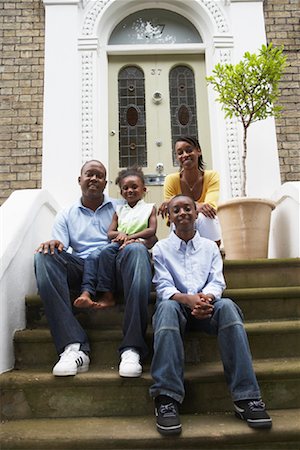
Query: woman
x=199, y=184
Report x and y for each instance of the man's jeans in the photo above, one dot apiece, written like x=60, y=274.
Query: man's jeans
x=169, y=323
x=59, y=279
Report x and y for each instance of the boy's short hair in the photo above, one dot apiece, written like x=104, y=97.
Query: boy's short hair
x=181, y=195
x=130, y=171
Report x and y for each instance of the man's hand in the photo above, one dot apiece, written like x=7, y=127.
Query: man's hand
x=44, y=247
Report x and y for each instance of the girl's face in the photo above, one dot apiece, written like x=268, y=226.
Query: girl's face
x=187, y=154
x=132, y=189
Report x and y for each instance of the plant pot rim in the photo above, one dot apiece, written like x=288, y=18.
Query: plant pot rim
x=241, y=200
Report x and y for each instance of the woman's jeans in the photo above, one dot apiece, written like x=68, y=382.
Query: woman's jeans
x=59, y=278
x=169, y=324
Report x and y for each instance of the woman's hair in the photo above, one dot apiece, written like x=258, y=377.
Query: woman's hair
x=130, y=171
x=195, y=143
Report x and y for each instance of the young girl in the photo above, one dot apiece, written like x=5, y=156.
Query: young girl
x=133, y=222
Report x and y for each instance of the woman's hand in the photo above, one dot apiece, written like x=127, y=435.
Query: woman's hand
x=207, y=210
x=163, y=209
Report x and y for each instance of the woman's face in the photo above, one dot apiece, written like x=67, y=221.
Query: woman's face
x=187, y=154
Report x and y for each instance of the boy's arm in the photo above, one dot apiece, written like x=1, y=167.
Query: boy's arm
x=215, y=284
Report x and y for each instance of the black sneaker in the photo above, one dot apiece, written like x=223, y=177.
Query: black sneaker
x=254, y=412
x=167, y=416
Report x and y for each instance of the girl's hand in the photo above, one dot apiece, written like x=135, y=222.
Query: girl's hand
x=120, y=238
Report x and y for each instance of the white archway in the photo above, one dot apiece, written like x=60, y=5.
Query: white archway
x=98, y=23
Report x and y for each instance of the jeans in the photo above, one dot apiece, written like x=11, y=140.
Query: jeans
x=169, y=323
x=59, y=279
x=100, y=273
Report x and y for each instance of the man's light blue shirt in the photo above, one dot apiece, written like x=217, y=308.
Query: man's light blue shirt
x=192, y=267
x=83, y=229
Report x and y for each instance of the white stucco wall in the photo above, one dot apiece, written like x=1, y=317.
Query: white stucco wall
x=25, y=220
x=76, y=96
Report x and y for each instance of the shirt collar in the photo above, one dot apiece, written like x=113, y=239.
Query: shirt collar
x=126, y=206
x=106, y=200
x=179, y=243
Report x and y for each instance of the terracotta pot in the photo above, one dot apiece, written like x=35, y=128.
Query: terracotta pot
x=245, y=224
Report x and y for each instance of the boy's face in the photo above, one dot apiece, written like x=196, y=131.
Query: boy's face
x=182, y=212
x=132, y=189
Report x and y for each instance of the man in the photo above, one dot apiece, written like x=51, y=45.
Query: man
x=83, y=227
x=189, y=284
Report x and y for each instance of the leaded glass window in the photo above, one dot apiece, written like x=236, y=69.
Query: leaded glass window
x=183, y=110
x=132, y=117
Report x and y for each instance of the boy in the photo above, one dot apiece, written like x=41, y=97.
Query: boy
x=189, y=284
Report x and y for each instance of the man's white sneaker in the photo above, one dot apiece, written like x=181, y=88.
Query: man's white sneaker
x=71, y=361
x=130, y=364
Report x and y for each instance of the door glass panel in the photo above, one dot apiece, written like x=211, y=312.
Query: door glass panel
x=154, y=26
x=132, y=128
x=183, y=108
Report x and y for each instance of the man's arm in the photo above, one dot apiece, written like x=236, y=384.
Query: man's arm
x=60, y=237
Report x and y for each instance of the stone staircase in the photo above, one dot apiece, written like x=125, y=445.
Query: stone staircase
x=100, y=410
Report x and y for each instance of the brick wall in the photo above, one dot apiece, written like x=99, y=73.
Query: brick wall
x=21, y=90
x=21, y=94
x=282, y=19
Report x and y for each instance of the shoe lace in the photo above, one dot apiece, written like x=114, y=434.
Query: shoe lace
x=168, y=410
x=256, y=405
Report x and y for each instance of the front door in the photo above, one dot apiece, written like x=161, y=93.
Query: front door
x=153, y=100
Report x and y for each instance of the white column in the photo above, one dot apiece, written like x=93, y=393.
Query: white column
x=61, y=132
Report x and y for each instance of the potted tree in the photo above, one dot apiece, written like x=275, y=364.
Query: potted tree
x=248, y=91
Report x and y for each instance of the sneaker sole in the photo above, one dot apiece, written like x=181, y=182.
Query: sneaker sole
x=69, y=373
x=176, y=429
x=129, y=375
x=259, y=423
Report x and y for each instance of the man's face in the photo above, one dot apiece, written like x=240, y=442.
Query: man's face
x=182, y=213
x=92, y=180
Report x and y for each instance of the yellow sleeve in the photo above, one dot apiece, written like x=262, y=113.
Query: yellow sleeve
x=172, y=185
x=211, y=188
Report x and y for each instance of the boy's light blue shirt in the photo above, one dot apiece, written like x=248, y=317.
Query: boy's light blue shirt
x=82, y=229
x=180, y=267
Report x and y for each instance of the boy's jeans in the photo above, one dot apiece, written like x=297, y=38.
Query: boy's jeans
x=169, y=323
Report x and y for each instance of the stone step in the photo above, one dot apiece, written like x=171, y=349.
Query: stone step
x=97, y=393
x=279, y=339
x=205, y=432
x=262, y=273
x=256, y=303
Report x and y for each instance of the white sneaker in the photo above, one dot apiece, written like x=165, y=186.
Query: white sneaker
x=130, y=364
x=71, y=361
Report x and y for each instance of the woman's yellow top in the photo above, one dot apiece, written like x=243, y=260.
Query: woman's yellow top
x=210, y=190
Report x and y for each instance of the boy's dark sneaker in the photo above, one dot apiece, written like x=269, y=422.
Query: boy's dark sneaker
x=254, y=412
x=167, y=416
